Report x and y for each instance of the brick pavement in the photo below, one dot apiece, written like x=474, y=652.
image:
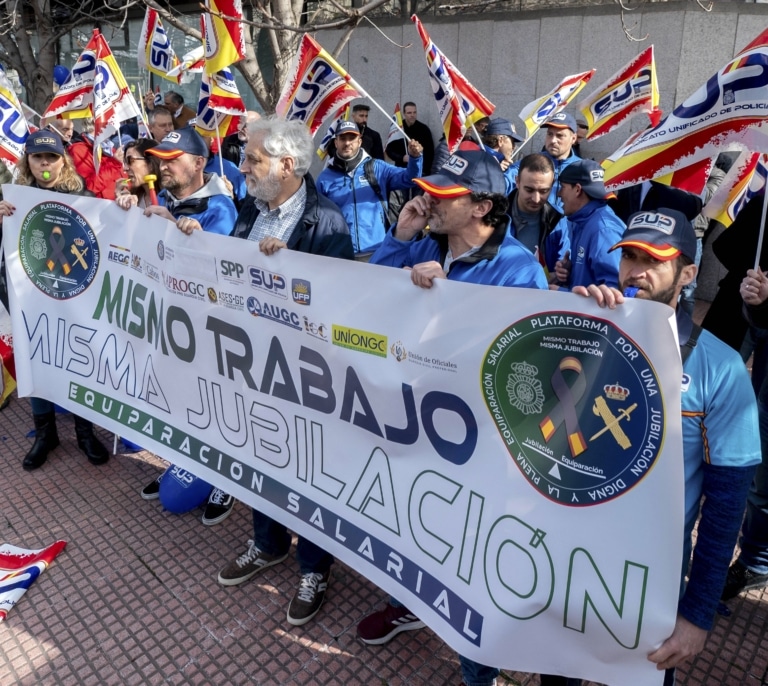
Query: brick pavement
x=134, y=600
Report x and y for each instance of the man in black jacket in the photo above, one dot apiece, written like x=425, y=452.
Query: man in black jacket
x=284, y=210
x=371, y=139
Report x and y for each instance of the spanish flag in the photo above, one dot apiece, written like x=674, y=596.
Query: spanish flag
x=223, y=35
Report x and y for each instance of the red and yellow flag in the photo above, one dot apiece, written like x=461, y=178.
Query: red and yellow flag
x=745, y=179
x=538, y=112
x=317, y=88
x=224, y=39
x=632, y=89
x=727, y=113
x=155, y=52
x=459, y=103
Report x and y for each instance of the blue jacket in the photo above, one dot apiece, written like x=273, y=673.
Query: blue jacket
x=233, y=174
x=359, y=203
x=501, y=261
x=211, y=205
x=320, y=231
x=553, y=233
x=594, y=229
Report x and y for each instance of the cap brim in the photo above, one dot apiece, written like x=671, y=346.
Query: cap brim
x=663, y=253
x=449, y=190
x=165, y=154
x=558, y=126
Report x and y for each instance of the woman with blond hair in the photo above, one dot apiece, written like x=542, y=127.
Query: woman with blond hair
x=45, y=165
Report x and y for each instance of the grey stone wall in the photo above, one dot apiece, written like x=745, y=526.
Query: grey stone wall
x=514, y=57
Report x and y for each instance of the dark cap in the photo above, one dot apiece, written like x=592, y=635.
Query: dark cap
x=361, y=106
x=44, y=141
x=346, y=127
x=177, y=142
x=589, y=175
x=662, y=233
x=466, y=171
x=562, y=120
x=503, y=127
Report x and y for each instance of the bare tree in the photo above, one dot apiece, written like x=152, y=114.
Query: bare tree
x=281, y=24
x=30, y=31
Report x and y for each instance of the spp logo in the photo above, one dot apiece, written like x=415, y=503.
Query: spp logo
x=269, y=282
x=301, y=290
x=232, y=270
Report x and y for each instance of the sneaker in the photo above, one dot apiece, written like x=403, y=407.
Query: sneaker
x=308, y=599
x=218, y=507
x=380, y=627
x=152, y=490
x=741, y=578
x=250, y=563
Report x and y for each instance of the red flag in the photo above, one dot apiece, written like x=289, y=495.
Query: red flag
x=726, y=113
x=224, y=39
x=458, y=102
x=19, y=568
x=318, y=86
x=630, y=90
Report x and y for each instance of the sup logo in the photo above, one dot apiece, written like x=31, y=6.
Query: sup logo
x=577, y=404
x=58, y=250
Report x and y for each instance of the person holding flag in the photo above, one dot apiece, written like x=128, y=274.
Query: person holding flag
x=47, y=166
x=360, y=186
x=397, y=148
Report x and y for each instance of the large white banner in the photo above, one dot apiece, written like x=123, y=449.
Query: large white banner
x=507, y=463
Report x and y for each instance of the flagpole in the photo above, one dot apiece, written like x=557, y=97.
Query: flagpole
x=221, y=155
x=365, y=94
x=762, y=231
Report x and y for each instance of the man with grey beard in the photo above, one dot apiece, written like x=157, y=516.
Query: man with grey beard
x=284, y=210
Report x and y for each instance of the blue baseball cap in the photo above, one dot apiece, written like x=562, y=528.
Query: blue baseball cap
x=503, y=127
x=563, y=120
x=662, y=233
x=466, y=171
x=346, y=127
x=589, y=175
x=177, y=142
x=44, y=141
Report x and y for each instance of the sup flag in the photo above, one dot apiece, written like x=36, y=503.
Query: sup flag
x=459, y=103
x=14, y=131
x=7, y=367
x=74, y=98
x=341, y=115
x=223, y=36
x=727, y=113
x=19, y=568
x=537, y=113
x=745, y=179
x=396, y=127
x=155, y=52
x=192, y=62
x=318, y=86
x=631, y=90
x=218, y=111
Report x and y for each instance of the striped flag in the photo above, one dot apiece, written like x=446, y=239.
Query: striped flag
x=224, y=39
x=396, y=127
x=459, y=103
x=745, y=179
x=192, y=62
x=538, y=112
x=19, y=568
x=74, y=98
x=317, y=88
x=727, y=113
x=630, y=90
x=219, y=106
x=15, y=129
x=155, y=52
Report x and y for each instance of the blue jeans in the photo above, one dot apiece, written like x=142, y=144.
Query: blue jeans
x=273, y=538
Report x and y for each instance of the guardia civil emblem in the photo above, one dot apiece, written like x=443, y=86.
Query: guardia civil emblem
x=577, y=405
x=58, y=250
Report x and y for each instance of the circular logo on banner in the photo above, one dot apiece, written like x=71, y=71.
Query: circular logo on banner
x=58, y=250
x=577, y=404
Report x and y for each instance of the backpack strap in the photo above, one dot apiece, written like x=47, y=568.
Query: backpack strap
x=687, y=348
x=373, y=182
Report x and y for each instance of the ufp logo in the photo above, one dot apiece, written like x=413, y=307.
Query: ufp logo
x=301, y=291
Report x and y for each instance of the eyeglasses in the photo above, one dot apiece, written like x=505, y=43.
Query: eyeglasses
x=130, y=160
